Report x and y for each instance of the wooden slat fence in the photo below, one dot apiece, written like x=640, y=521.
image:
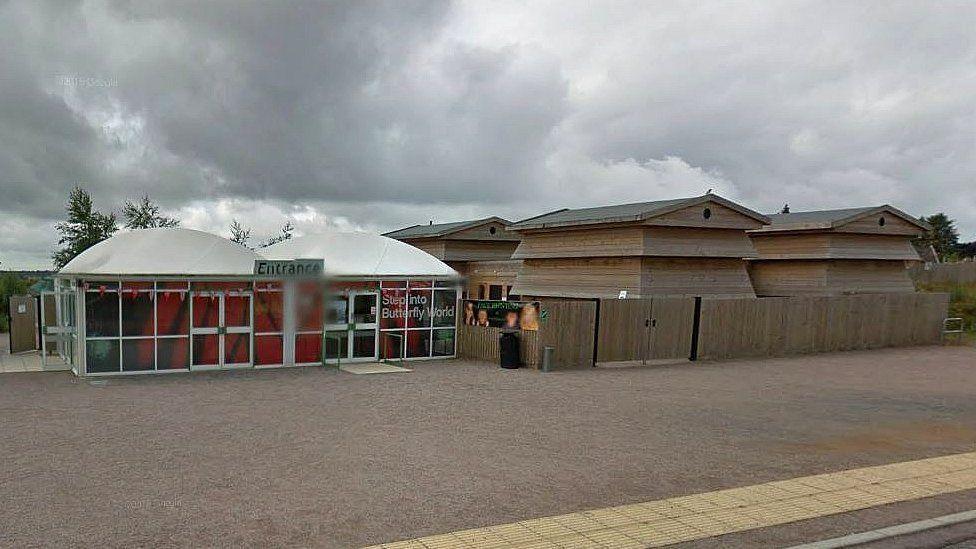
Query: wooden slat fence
x=481, y=343
x=661, y=328
x=732, y=328
x=945, y=273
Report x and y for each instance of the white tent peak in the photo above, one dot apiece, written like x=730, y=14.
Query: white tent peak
x=164, y=251
x=360, y=254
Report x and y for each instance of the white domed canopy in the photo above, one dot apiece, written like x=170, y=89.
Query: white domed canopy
x=361, y=254
x=169, y=251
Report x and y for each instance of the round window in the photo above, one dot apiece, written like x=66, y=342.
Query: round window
x=881, y=221
x=491, y=230
x=707, y=213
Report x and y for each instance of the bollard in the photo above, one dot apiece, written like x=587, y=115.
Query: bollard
x=547, y=353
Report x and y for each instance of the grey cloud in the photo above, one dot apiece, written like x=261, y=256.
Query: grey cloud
x=380, y=114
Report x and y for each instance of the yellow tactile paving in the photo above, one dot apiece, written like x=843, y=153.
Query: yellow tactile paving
x=697, y=516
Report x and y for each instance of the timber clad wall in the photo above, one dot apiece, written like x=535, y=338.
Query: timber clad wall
x=835, y=252
x=694, y=276
x=594, y=242
x=834, y=246
x=474, y=250
x=833, y=277
x=590, y=277
x=679, y=248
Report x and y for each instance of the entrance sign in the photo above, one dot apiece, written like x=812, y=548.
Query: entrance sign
x=289, y=268
x=502, y=314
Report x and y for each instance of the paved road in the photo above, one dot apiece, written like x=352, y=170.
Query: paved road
x=305, y=457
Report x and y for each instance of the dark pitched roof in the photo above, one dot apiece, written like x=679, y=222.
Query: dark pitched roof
x=441, y=229
x=637, y=211
x=829, y=219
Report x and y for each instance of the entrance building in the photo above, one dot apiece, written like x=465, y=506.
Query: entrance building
x=171, y=300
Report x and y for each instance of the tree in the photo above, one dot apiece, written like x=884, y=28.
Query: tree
x=285, y=234
x=145, y=215
x=967, y=249
x=84, y=227
x=242, y=235
x=239, y=234
x=943, y=237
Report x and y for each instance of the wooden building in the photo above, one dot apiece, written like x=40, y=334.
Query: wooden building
x=480, y=250
x=682, y=247
x=835, y=252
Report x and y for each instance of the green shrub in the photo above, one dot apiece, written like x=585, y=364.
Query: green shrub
x=10, y=284
x=962, y=301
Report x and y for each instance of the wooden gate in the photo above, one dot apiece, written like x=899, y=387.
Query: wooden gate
x=23, y=323
x=645, y=329
x=568, y=327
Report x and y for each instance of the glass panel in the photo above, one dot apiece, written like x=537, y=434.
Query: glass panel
x=206, y=312
x=391, y=344
x=138, y=317
x=268, y=349
x=237, y=310
x=443, y=343
x=237, y=348
x=392, y=313
x=418, y=309
x=308, y=307
x=418, y=343
x=421, y=283
x=336, y=310
x=173, y=313
x=269, y=315
x=337, y=344
x=102, y=355
x=364, y=309
x=308, y=348
x=206, y=348
x=138, y=355
x=364, y=343
x=101, y=314
x=444, y=306
x=173, y=353
x=494, y=292
x=394, y=284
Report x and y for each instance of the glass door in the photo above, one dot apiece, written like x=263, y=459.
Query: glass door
x=235, y=340
x=221, y=330
x=351, y=327
x=362, y=325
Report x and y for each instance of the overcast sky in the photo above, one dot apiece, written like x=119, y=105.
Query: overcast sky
x=375, y=116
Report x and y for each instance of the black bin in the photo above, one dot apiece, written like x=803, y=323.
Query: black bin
x=508, y=350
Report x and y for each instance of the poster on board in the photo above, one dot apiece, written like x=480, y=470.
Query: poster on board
x=519, y=315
